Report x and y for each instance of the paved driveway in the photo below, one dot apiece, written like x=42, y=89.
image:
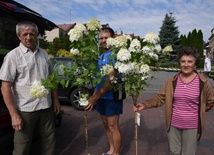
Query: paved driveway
x=152, y=138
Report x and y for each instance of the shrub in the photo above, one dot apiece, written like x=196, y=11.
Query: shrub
x=63, y=53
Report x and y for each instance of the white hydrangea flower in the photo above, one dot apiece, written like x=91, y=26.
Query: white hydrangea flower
x=167, y=49
x=158, y=48
x=110, y=42
x=135, y=46
x=117, y=64
x=145, y=77
x=94, y=25
x=144, y=68
x=128, y=37
x=38, y=90
x=124, y=68
x=77, y=32
x=153, y=55
x=74, y=51
x=75, y=35
x=106, y=69
x=136, y=68
x=120, y=41
x=113, y=79
x=83, y=100
x=123, y=54
x=152, y=38
x=80, y=27
x=147, y=49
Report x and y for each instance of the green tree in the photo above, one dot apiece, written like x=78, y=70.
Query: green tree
x=60, y=43
x=194, y=39
x=183, y=40
x=43, y=44
x=169, y=34
x=200, y=42
x=57, y=45
x=66, y=43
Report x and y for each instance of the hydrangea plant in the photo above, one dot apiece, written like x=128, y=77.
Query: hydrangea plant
x=133, y=58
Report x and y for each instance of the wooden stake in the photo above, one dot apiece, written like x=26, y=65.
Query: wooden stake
x=134, y=98
x=86, y=131
x=136, y=134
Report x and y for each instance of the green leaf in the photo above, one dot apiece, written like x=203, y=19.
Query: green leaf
x=62, y=82
x=67, y=83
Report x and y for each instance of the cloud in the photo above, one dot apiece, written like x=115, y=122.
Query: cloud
x=130, y=16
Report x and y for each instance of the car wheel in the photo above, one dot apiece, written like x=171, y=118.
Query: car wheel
x=75, y=97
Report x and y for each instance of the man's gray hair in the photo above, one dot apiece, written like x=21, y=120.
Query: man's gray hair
x=26, y=24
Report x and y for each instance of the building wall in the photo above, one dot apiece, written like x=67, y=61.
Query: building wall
x=50, y=35
x=211, y=44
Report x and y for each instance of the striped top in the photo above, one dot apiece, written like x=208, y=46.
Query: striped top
x=186, y=104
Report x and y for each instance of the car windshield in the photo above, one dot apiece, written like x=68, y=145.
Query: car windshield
x=58, y=64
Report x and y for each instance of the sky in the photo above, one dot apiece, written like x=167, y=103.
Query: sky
x=130, y=16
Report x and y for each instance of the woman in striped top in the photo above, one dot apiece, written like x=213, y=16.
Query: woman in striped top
x=186, y=96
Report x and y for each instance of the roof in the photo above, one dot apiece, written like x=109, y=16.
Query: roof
x=66, y=27
x=19, y=12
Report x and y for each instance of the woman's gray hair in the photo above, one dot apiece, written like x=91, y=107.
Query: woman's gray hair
x=26, y=24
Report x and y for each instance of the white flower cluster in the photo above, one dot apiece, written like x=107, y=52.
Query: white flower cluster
x=123, y=54
x=106, y=69
x=74, y=51
x=77, y=32
x=132, y=68
x=110, y=42
x=120, y=41
x=38, y=90
x=153, y=49
x=167, y=50
x=135, y=46
x=152, y=38
x=125, y=68
x=94, y=25
x=144, y=68
x=83, y=100
x=128, y=37
x=80, y=30
x=113, y=79
x=130, y=59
